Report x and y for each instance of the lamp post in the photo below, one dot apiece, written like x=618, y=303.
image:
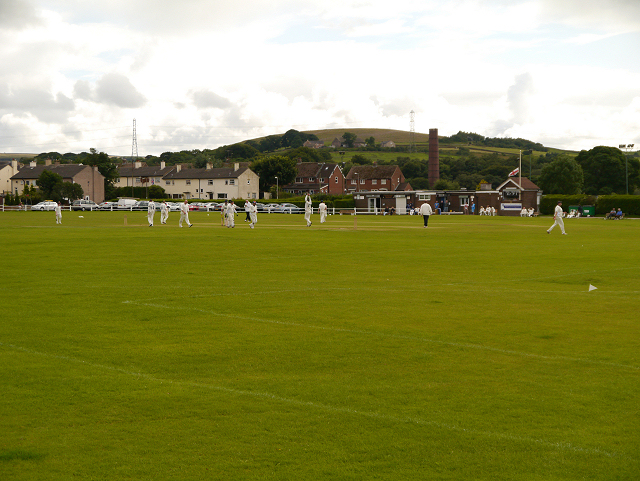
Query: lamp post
x=277, y=196
x=627, y=148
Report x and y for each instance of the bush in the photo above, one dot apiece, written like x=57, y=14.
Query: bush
x=630, y=204
x=548, y=202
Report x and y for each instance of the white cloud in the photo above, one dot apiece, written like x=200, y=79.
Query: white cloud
x=198, y=74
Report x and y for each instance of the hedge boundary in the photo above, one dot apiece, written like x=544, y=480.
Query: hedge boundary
x=630, y=204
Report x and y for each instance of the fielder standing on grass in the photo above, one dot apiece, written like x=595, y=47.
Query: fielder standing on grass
x=164, y=212
x=322, y=208
x=557, y=217
x=184, y=213
x=151, y=210
x=307, y=209
x=253, y=213
x=426, y=211
x=58, y=211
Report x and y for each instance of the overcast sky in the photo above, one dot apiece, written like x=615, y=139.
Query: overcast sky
x=199, y=74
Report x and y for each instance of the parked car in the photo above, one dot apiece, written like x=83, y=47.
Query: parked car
x=108, y=206
x=288, y=208
x=84, y=205
x=271, y=207
x=44, y=205
x=141, y=205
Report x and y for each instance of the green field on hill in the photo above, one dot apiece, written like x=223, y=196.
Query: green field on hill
x=363, y=348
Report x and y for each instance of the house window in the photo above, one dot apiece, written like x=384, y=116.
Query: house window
x=248, y=181
x=254, y=195
x=232, y=182
x=188, y=182
x=311, y=179
x=362, y=181
x=383, y=181
x=222, y=196
x=298, y=180
x=353, y=181
x=321, y=179
x=138, y=180
x=226, y=182
x=336, y=179
x=168, y=182
x=210, y=182
x=374, y=181
x=424, y=197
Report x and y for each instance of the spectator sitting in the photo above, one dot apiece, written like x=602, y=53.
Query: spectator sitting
x=612, y=214
x=619, y=214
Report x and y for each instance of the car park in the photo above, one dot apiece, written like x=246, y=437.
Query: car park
x=84, y=205
x=44, y=205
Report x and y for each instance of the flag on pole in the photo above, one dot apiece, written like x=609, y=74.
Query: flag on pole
x=514, y=172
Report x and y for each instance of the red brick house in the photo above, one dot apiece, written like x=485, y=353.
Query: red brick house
x=317, y=178
x=376, y=178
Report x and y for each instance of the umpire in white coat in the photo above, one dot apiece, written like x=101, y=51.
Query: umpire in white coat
x=426, y=211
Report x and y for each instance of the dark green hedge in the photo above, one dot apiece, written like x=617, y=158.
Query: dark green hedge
x=630, y=204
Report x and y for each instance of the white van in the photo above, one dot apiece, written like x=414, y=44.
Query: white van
x=126, y=204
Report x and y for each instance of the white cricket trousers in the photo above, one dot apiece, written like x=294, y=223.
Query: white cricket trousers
x=559, y=222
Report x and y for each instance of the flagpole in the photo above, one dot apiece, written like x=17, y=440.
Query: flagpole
x=520, y=175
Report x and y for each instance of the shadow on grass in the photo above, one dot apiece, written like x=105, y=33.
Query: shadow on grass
x=20, y=455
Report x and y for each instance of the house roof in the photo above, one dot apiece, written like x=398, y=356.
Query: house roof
x=371, y=172
x=144, y=171
x=315, y=169
x=526, y=183
x=404, y=186
x=221, y=173
x=66, y=171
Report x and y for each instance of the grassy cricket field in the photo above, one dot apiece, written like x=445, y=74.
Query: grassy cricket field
x=471, y=350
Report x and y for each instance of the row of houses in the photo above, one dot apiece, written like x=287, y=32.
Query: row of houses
x=374, y=187
x=14, y=177
x=236, y=181
x=327, y=178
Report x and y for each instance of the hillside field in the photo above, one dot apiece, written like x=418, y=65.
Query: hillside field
x=363, y=348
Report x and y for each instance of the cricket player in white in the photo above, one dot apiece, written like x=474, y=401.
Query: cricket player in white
x=322, y=208
x=557, y=217
x=253, y=213
x=231, y=215
x=184, y=213
x=58, y=211
x=164, y=213
x=307, y=209
x=151, y=210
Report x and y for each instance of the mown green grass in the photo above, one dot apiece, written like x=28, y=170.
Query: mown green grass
x=469, y=350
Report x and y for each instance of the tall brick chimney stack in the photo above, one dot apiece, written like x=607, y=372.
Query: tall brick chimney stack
x=434, y=157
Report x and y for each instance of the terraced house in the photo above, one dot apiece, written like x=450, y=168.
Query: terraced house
x=236, y=182
x=91, y=181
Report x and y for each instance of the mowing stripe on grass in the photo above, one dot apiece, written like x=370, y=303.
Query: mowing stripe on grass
x=561, y=446
x=391, y=336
